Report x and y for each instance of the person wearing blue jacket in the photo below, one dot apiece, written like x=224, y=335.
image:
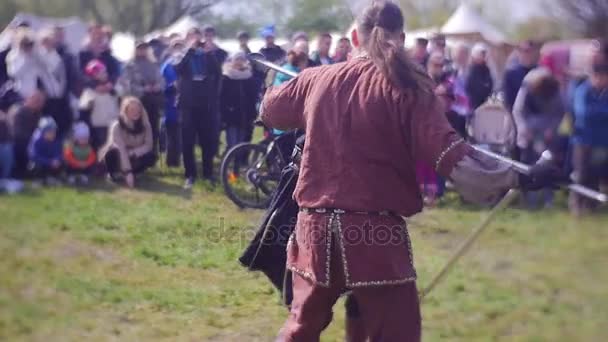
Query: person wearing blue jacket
x=171, y=119
x=46, y=151
x=590, y=138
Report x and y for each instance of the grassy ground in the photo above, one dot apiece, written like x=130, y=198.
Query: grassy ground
x=160, y=264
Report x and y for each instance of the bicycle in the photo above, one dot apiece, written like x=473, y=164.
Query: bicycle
x=250, y=172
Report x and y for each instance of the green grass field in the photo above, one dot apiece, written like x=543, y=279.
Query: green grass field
x=160, y=264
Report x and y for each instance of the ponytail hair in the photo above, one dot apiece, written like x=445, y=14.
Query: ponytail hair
x=379, y=26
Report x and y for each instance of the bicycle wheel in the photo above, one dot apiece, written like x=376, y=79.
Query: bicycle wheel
x=250, y=175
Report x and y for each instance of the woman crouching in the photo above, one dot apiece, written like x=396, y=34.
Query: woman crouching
x=129, y=149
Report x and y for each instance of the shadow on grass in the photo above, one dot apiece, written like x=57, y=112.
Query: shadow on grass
x=152, y=183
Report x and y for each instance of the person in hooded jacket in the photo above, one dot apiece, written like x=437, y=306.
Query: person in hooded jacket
x=238, y=99
x=46, y=152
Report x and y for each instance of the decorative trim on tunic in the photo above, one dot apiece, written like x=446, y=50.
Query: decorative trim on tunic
x=334, y=226
x=445, y=153
x=351, y=285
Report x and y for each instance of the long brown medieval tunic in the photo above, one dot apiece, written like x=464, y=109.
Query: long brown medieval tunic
x=357, y=174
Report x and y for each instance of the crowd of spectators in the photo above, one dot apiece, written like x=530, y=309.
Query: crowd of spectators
x=552, y=109
x=69, y=116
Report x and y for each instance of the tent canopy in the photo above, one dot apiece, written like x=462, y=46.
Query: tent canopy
x=75, y=29
x=466, y=21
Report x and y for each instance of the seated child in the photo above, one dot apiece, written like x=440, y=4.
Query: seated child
x=78, y=155
x=45, y=152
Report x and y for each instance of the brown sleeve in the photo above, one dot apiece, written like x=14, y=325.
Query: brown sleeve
x=283, y=106
x=433, y=140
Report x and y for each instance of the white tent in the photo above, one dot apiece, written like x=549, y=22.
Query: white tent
x=75, y=29
x=467, y=22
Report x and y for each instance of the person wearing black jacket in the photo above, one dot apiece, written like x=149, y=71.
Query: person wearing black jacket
x=69, y=60
x=238, y=99
x=199, y=73
x=98, y=48
x=479, y=83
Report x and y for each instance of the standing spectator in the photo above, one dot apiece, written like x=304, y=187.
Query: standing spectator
x=479, y=83
x=129, y=149
x=462, y=55
x=302, y=45
x=78, y=155
x=321, y=56
x=460, y=103
x=99, y=104
x=438, y=44
x=97, y=48
x=199, y=73
x=445, y=91
x=172, y=122
x=420, y=52
x=55, y=83
x=157, y=48
x=538, y=112
x=590, y=138
x=435, y=67
x=24, y=120
x=12, y=33
x=69, y=61
x=514, y=76
x=45, y=152
x=343, y=50
x=209, y=35
x=272, y=52
x=296, y=62
x=7, y=157
x=238, y=99
x=142, y=78
x=24, y=65
x=243, y=38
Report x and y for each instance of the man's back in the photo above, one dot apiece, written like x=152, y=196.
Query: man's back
x=363, y=137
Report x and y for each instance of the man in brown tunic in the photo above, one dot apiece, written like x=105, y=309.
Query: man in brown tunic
x=367, y=123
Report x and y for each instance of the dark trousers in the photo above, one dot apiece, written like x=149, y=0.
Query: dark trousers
x=590, y=169
x=201, y=124
x=7, y=160
x=99, y=137
x=387, y=313
x=61, y=112
x=234, y=136
x=138, y=164
x=174, y=143
x=72, y=171
x=44, y=171
x=152, y=102
x=20, y=170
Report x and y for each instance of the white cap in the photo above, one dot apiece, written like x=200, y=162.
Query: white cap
x=81, y=131
x=479, y=49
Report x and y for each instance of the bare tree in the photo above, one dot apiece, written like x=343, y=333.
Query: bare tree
x=142, y=16
x=427, y=13
x=587, y=17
